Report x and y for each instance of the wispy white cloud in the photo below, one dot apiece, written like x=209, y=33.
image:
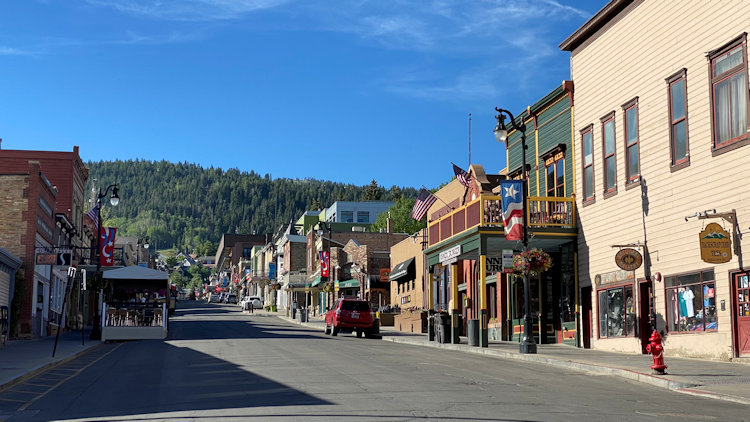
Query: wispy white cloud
x=9, y=51
x=498, y=40
x=188, y=10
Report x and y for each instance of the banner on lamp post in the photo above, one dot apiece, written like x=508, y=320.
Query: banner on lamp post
x=107, y=246
x=324, y=264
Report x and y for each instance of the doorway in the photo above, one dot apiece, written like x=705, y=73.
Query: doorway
x=741, y=310
x=587, y=314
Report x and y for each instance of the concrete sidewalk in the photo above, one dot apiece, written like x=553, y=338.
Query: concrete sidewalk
x=706, y=378
x=22, y=359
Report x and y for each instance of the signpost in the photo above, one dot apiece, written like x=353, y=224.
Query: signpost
x=715, y=244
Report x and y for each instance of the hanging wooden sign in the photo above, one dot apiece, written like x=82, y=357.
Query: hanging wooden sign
x=716, y=244
x=628, y=259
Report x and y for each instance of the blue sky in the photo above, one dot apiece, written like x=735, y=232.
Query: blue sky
x=342, y=90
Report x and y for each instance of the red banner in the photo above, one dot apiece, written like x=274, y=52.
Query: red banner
x=324, y=264
x=107, y=246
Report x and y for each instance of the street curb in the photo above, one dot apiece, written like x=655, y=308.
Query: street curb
x=679, y=387
x=38, y=370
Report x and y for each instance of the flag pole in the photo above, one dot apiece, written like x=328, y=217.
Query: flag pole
x=469, y=140
x=441, y=200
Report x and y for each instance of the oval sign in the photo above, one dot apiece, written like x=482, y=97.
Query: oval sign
x=629, y=259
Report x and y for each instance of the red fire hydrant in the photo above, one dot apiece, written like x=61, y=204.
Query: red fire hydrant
x=657, y=351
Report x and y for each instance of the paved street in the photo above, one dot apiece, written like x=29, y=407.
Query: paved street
x=221, y=364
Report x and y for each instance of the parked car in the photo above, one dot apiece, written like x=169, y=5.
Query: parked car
x=350, y=315
x=256, y=301
x=230, y=298
x=213, y=298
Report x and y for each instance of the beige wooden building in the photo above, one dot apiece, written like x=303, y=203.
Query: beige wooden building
x=661, y=101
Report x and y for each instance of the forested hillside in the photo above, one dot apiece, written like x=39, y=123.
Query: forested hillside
x=189, y=207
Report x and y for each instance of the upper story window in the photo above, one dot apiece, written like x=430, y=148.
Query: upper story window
x=678, y=127
x=247, y=252
x=729, y=92
x=347, y=216
x=363, y=216
x=587, y=139
x=608, y=146
x=632, y=155
x=555, y=165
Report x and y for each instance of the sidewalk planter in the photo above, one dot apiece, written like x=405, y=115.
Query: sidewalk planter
x=411, y=322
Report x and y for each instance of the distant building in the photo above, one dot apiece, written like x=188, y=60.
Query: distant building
x=356, y=212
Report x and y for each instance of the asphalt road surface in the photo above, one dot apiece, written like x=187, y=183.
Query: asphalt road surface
x=219, y=364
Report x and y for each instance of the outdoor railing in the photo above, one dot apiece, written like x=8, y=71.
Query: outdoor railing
x=486, y=211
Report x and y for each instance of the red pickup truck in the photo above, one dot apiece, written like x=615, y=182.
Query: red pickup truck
x=350, y=315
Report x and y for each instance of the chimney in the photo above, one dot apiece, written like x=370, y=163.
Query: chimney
x=389, y=223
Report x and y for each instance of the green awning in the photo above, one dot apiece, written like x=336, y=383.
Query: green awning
x=318, y=280
x=348, y=284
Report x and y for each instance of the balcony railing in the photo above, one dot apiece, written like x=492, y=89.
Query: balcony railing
x=486, y=211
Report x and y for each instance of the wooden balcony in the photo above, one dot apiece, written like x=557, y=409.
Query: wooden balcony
x=542, y=212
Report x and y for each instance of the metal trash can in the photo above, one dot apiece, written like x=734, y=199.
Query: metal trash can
x=303, y=315
x=431, y=327
x=375, y=326
x=473, y=334
x=444, y=328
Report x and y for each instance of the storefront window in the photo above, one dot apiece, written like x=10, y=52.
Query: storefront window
x=616, y=312
x=691, y=302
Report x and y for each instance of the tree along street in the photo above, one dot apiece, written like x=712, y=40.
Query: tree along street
x=221, y=364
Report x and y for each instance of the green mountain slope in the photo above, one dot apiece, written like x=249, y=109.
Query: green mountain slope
x=187, y=206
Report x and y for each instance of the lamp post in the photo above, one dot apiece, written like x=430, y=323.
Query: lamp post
x=527, y=345
x=114, y=199
x=326, y=225
x=142, y=241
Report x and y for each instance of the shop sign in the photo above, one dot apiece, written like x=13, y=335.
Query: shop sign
x=450, y=256
x=613, y=277
x=507, y=261
x=716, y=245
x=385, y=273
x=494, y=265
x=628, y=259
x=46, y=258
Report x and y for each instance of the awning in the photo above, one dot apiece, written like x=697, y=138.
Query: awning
x=348, y=284
x=318, y=280
x=403, y=269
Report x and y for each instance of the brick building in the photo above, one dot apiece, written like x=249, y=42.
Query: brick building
x=27, y=199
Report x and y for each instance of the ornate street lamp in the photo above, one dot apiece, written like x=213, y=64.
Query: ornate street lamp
x=527, y=345
x=114, y=199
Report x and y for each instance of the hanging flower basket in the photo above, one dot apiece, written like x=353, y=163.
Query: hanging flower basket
x=328, y=287
x=534, y=261
x=276, y=286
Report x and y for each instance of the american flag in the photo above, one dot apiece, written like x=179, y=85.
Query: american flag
x=94, y=215
x=512, y=194
x=424, y=201
x=461, y=175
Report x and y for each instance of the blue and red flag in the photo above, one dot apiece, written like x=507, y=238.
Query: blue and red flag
x=107, y=246
x=323, y=264
x=512, y=202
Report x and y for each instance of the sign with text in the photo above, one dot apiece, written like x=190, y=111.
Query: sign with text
x=450, y=256
x=716, y=245
x=614, y=277
x=628, y=259
x=507, y=261
x=385, y=273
